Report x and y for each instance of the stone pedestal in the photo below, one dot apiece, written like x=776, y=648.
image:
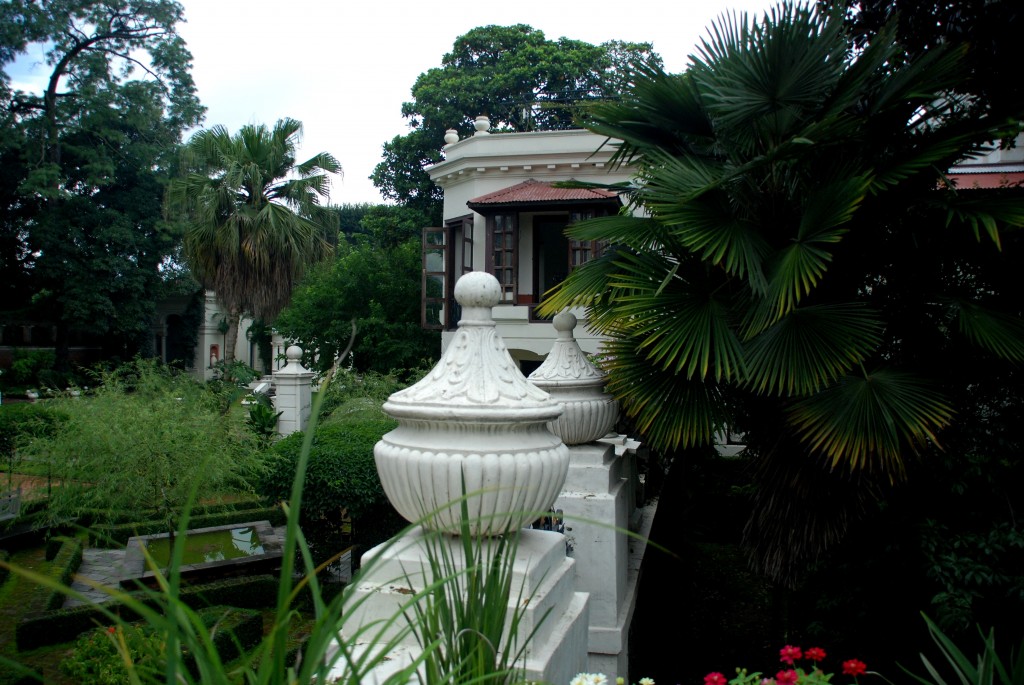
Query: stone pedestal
x=543, y=581
x=473, y=428
x=293, y=392
x=597, y=507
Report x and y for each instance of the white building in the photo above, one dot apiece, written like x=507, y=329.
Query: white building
x=503, y=214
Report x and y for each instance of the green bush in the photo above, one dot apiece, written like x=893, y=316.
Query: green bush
x=147, y=437
x=22, y=422
x=27, y=364
x=96, y=658
x=341, y=474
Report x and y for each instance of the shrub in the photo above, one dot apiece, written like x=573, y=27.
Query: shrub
x=97, y=659
x=27, y=364
x=117, y=535
x=23, y=422
x=342, y=473
x=68, y=558
x=148, y=436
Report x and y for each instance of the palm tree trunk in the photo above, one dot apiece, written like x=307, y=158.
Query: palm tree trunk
x=232, y=335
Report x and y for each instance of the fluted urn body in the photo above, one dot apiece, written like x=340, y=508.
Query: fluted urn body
x=570, y=378
x=475, y=426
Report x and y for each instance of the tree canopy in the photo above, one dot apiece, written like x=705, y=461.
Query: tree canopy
x=375, y=282
x=805, y=272
x=252, y=227
x=516, y=76
x=85, y=160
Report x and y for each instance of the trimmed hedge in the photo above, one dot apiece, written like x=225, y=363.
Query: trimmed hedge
x=113, y=536
x=64, y=625
x=61, y=569
x=91, y=517
x=237, y=630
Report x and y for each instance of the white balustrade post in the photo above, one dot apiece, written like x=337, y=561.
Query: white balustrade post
x=293, y=392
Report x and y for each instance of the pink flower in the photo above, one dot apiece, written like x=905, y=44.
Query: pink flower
x=854, y=667
x=786, y=677
x=815, y=654
x=714, y=679
x=789, y=653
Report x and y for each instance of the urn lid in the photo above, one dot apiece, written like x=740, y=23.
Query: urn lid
x=476, y=378
x=567, y=365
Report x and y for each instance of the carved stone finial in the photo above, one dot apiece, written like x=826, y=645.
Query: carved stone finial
x=451, y=136
x=293, y=353
x=482, y=124
x=473, y=417
x=570, y=377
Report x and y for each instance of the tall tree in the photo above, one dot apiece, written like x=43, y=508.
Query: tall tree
x=88, y=154
x=513, y=74
x=804, y=271
x=252, y=227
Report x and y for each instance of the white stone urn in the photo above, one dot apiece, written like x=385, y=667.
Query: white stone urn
x=473, y=425
x=451, y=136
x=569, y=377
x=482, y=124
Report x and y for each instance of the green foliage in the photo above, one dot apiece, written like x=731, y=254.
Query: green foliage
x=147, y=437
x=351, y=390
x=522, y=80
x=46, y=598
x=802, y=270
x=23, y=422
x=252, y=227
x=262, y=420
x=988, y=669
x=116, y=535
x=80, y=223
x=466, y=609
x=97, y=655
x=341, y=475
x=26, y=365
x=378, y=288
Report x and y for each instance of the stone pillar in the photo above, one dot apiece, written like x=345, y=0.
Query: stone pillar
x=293, y=391
x=474, y=423
x=596, y=499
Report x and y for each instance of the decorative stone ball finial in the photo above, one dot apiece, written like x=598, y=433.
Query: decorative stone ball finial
x=569, y=376
x=293, y=353
x=482, y=124
x=451, y=136
x=477, y=292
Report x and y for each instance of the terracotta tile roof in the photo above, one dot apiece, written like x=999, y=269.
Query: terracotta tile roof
x=539, y=192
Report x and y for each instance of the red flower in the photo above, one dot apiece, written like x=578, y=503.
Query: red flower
x=111, y=629
x=786, y=677
x=714, y=679
x=854, y=667
x=815, y=654
x=788, y=653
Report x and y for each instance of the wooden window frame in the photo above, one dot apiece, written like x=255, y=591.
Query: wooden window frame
x=509, y=253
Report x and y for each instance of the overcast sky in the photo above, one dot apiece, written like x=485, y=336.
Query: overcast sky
x=344, y=68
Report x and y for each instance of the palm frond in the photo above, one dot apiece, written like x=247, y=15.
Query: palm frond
x=811, y=347
x=1000, y=333
x=871, y=422
x=669, y=410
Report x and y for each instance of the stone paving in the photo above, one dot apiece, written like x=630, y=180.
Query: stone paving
x=100, y=567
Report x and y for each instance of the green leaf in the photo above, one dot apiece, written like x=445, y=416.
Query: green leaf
x=998, y=332
x=811, y=347
x=870, y=422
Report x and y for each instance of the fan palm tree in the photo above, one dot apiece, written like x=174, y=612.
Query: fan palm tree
x=253, y=216
x=801, y=267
